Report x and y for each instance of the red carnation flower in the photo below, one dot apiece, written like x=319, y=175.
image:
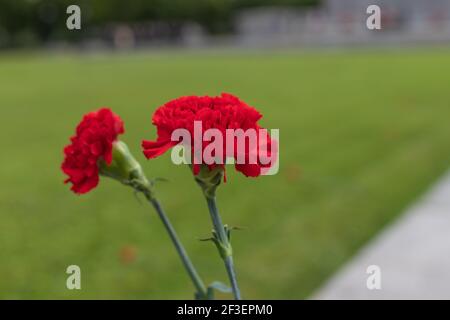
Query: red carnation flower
x=222, y=113
x=92, y=142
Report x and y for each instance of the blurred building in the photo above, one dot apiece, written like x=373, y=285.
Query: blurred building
x=344, y=22
x=331, y=22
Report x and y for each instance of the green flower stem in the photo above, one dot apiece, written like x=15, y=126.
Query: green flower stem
x=198, y=283
x=232, y=276
x=223, y=244
x=125, y=169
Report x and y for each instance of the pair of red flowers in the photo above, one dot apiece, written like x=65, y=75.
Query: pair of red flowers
x=98, y=131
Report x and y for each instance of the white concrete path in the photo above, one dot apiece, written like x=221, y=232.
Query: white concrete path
x=413, y=255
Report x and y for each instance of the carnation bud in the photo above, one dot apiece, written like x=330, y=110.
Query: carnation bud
x=209, y=179
x=125, y=169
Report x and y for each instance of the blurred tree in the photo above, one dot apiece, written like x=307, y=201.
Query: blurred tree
x=45, y=19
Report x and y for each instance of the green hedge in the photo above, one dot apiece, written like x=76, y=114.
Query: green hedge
x=23, y=21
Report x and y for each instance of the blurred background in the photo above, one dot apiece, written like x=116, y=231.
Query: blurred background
x=115, y=24
x=363, y=118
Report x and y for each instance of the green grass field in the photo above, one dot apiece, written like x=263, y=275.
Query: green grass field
x=362, y=135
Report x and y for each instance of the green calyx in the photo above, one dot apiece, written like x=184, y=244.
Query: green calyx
x=209, y=180
x=125, y=169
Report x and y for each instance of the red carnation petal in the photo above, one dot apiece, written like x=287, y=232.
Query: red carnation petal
x=86, y=186
x=153, y=149
x=195, y=169
x=249, y=170
x=96, y=148
x=94, y=139
x=223, y=112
